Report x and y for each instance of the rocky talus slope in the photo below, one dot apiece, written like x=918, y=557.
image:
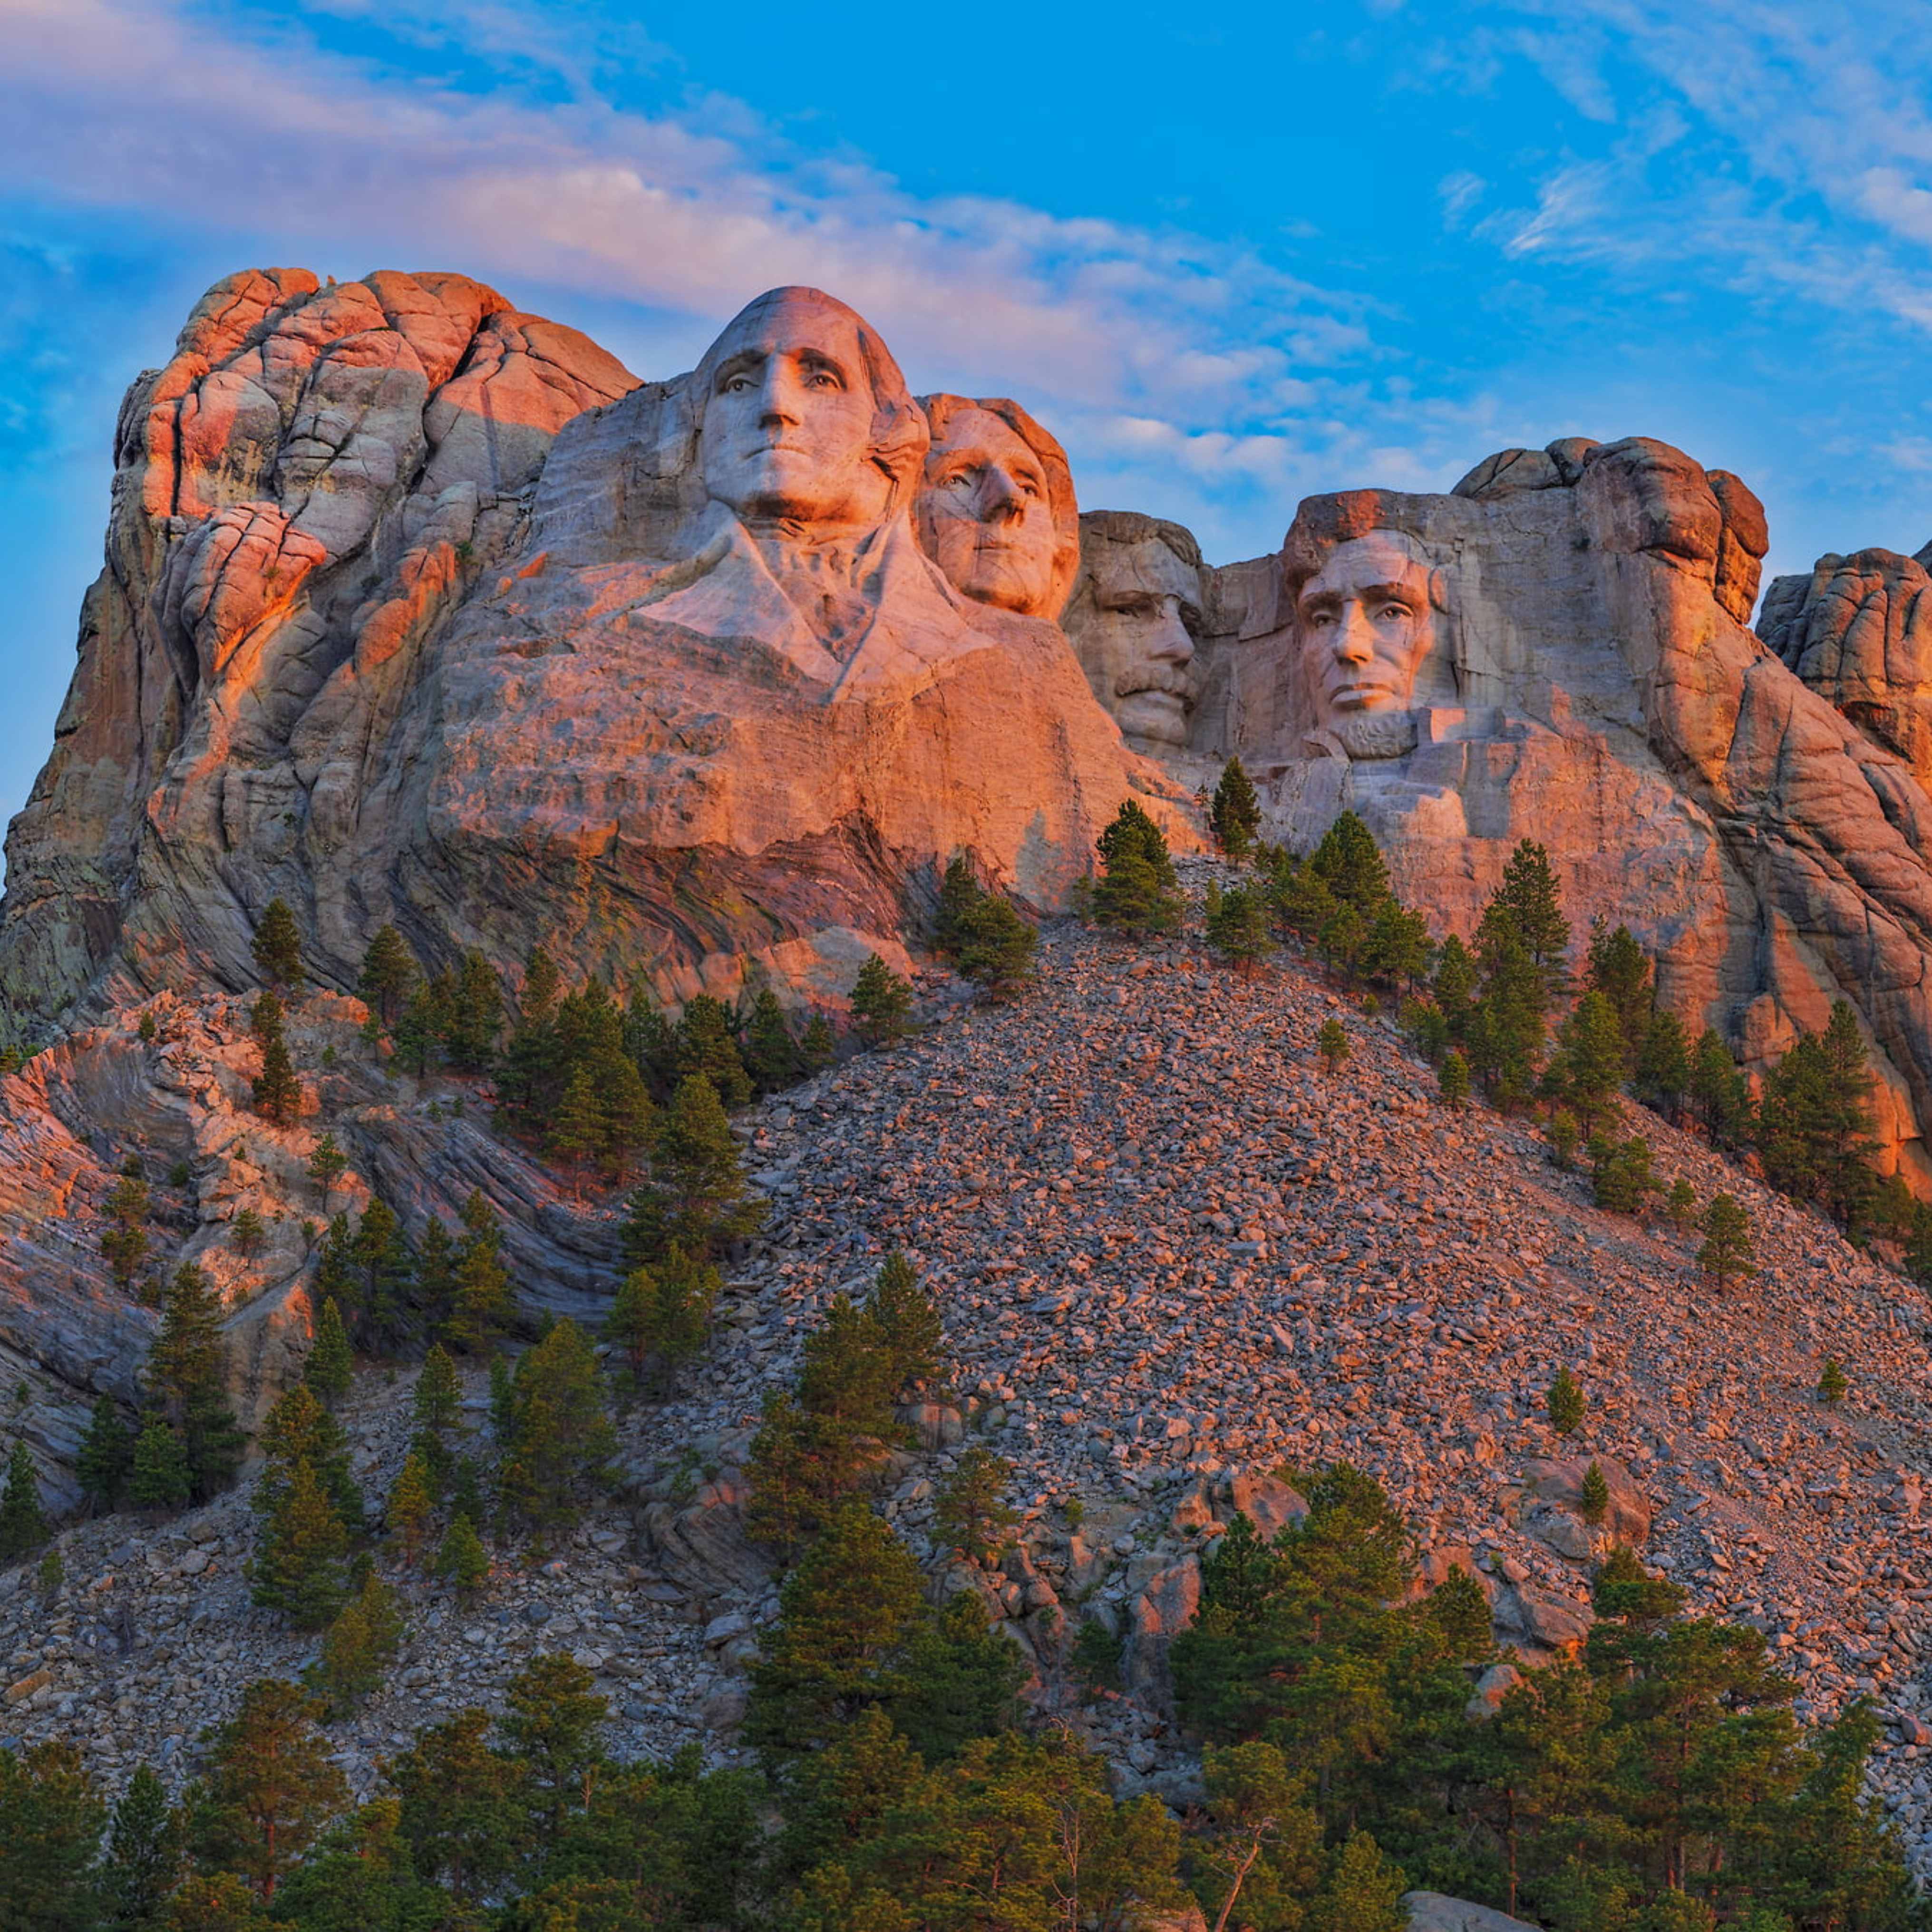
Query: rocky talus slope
x=1174, y=1258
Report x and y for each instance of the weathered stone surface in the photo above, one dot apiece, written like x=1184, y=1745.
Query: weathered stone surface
x=1432, y=1911
x=1538, y=1625
x=1552, y=1507
x=1562, y=655
x=419, y=609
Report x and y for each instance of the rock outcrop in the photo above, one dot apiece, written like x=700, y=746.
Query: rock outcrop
x=421, y=610
x=1558, y=650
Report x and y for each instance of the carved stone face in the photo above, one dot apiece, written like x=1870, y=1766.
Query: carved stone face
x=1365, y=626
x=1136, y=643
x=986, y=517
x=789, y=415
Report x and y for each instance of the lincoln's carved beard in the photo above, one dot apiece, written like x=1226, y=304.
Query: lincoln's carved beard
x=1375, y=734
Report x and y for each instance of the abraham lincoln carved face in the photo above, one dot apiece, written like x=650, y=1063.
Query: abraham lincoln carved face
x=1365, y=624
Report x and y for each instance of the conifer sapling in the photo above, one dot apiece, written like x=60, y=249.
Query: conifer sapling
x=1567, y=1403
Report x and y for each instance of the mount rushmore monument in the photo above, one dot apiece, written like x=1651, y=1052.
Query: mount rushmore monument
x=419, y=609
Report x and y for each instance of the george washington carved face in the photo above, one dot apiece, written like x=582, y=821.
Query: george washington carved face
x=806, y=419
x=1365, y=622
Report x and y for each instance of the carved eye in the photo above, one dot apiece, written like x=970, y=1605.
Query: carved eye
x=736, y=386
x=1394, y=613
x=823, y=379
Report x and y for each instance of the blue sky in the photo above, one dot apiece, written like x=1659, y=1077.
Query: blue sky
x=1291, y=249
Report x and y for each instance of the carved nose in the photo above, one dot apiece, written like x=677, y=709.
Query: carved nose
x=1000, y=498
x=1172, y=644
x=1354, y=643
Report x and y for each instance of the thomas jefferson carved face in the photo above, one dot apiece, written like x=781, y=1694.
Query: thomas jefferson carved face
x=1132, y=622
x=790, y=415
x=1364, y=623
x=986, y=514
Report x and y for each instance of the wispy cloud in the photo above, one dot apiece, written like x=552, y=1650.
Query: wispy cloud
x=1783, y=150
x=539, y=176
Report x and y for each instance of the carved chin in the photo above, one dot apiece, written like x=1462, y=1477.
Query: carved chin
x=1375, y=734
x=1158, y=717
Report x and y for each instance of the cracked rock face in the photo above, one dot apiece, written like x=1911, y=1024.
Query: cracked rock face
x=1576, y=668
x=421, y=610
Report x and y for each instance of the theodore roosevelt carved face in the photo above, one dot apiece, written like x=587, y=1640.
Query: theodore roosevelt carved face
x=996, y=510
x=806, y=419
x=1132, y=619
x=1365, y=622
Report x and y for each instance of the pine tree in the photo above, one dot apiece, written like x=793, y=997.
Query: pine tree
x=144, y=1854
x=325, y=1166
x=299, y=1429
x=1237, y=927
x=1348, y=862
x=460, y=1559
x=844, y=1616
x=1593, y=1494
x=483, y=1299
x=51, y=1815
x=907, y=1320
x=1237, y=812
x=1138, y=893
x=1567, y=1403
x=158, y=1477
x=1591, y=1058
x=881, y=1002
x=435, y=1290
x=360, y=1645
x=277, y=946
x=997, y=949
x=1718, y=1091
x=271, y=1785
x=697, y=1197
x=817, y=1048
x=1457, y=977
x=1344, y=933
x=1680, y=1203
x=1528, y=908
x=248, y=1234
x=553, y=1723
x=959, y=893
x=1453, y=1080
x=560, y=1440
x=1504, y=1035
x=408, y=1509
x=125, y=1242
x=277, y=1092
x=1832, y=1386
x=1620, y=1176
x=1727, y=1244
x=473, y=1015
x=328, y=1370
x=422, y=1025
x=1397, y=947
x=970, y=1510
x=1332, y=1044
x=1663, y=1074
x=301, y=1568
x=23, y=1523
x=771, y=1053
x=1563, y=1136
x=663, y=1315
x=1363, y=1892
x=106, y=1456
x=1616, y=967
x=438, y=1398
x=187, y=1377
x=389, y=971
x=575, y=1131
x=705, y=1046
x=651, y=1041
x=626, y=1118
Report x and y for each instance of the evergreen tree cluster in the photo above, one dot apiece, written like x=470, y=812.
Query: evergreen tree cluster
x=822, y=1443
x=1658, y=1780
x=983, y=933
x=1338, y=902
